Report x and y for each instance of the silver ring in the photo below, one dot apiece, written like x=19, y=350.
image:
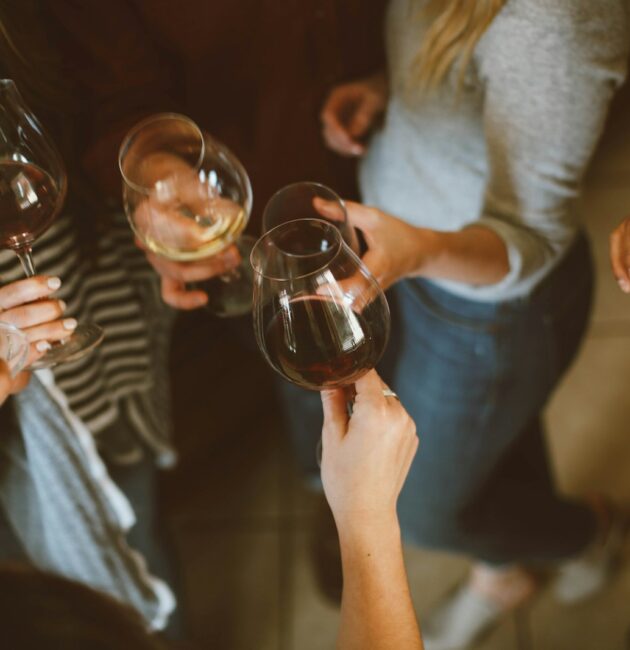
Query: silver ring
x=388, y=392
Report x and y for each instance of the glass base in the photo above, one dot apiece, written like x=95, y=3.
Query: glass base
x=82, y=341
x=230, y=294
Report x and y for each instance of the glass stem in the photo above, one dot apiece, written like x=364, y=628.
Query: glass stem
x=25, y=255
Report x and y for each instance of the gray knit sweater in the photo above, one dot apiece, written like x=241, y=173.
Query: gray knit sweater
x=511, y=151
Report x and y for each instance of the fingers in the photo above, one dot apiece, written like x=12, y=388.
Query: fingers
x=619, y=257
x=335, y=415
x=175, y=294
x=28, y=290
x=363, y=118
x=370, y=387
x=362, y=217
x=199, y=270
x=34, y=313
x=36, y=351
x=341, y=142
x=341, y=101
x=329, y=209
x=52, y=331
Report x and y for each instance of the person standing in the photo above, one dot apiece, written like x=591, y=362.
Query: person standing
x=491, y=111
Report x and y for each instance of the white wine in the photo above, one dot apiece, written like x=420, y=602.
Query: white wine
x=184, y=236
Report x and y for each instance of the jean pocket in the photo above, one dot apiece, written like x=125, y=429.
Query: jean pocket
x=445, y=332
x=478, y=318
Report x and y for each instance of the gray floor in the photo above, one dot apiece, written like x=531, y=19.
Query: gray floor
x=241, y=519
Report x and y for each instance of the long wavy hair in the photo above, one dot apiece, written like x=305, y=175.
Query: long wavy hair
x=455, y=27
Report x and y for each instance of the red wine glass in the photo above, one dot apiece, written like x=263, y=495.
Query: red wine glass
x=320, y=318
x=32, y=190
x=306, y=200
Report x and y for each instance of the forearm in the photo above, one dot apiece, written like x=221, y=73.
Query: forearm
x=474, y=255
x=376, y=611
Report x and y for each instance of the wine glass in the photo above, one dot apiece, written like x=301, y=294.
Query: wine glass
x=320, y=317
x=13, y=347
x=301, y=201
x=187, y=197
x=32, y=190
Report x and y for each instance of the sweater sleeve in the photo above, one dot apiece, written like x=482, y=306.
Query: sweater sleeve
x=549, y=73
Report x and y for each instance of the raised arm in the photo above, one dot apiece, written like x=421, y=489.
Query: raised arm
x=365, y=461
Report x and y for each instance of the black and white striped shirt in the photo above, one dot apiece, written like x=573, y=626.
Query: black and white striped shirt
x=113, y=286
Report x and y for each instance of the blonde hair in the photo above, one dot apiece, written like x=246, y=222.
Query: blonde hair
x=455, y=27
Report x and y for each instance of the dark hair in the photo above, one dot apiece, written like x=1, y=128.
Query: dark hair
x=29, y=54
x=40, y=611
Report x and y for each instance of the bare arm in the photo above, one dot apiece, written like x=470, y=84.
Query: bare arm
x=476, y=255
x=376, y=609
x=365, y=462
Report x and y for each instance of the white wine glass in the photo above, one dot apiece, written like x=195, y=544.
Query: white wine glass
x=187, y=197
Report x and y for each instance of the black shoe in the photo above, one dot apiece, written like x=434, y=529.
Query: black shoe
x=326, y=555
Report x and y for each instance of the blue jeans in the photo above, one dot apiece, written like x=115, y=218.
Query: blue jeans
x=475, y=377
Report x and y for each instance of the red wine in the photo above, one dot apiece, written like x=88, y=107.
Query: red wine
x=29, y=201
x=317, y=343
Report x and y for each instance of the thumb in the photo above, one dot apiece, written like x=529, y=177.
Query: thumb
x=335, y=415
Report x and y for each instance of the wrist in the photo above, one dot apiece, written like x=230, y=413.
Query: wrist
x=364, y=528
x=429, y=247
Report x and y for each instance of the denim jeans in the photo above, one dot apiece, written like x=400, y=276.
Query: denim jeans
x=475, y=377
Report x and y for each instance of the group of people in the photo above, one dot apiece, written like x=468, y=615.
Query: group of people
x=473, y=127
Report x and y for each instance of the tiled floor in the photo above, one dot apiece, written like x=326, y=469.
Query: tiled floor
x=241, y=519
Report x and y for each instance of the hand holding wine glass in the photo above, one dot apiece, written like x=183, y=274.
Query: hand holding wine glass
x=188, y=200
x=30, y=319
x=367, y=455
x=32, y=191
x=30, y=306
x=310, y=330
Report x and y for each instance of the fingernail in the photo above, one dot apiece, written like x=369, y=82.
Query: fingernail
x=623, y=285
x=70, y=323
x=62, y=304
x=54, y=283
x=42, y=346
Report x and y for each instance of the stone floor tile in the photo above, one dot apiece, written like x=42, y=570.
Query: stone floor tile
x=589, y=421
x=602, y=623
x=231, y=586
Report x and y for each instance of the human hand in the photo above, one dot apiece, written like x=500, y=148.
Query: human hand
x=27, y=305
x=160, y=219
x=350, y=111
x=10, y=385
x=174, y=276
x=396, y=249
x=365, y=457
x=620, y=254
